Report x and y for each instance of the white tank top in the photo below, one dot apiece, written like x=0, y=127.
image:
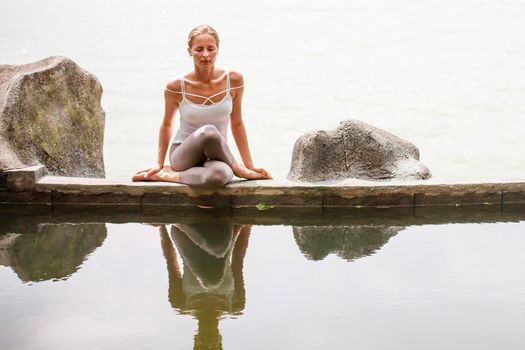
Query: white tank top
x=194, y=115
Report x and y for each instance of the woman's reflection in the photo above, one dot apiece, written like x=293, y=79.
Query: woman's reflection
x=211, y=284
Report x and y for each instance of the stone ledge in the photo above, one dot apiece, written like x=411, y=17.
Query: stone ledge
x=30, y=185
x=18, y=180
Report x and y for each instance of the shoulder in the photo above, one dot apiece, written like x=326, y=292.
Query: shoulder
x=236, y=79
x=174, y=85
x=173, y=91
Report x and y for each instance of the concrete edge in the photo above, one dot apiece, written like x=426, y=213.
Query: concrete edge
x=32, y=185
x=25, y=178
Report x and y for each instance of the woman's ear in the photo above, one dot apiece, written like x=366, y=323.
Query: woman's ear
x=189, y=51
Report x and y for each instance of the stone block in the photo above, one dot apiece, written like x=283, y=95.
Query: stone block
x=103, y=212
x=81, y=197
x=277, y=196
x=8, y=210
x=367, y=197
x=3, y=181
x=459, y=195
x=513, y=196
x=215, y=199
x=43, y=197
x=24, y=179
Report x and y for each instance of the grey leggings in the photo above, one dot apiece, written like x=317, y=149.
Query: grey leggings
x=203, y=159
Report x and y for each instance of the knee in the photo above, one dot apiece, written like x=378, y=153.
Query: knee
x=218, y=176
x=208, y=134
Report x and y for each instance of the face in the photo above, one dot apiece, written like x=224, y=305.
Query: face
x=204, y=50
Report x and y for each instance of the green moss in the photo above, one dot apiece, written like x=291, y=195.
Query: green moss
x=59, y=129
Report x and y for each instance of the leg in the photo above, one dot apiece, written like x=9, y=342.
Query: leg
x=205, y=143
x=212, y=175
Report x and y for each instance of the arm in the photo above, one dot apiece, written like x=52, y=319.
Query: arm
x=237, y=262
x=237, y=124
x=176, y=295
x=239, y=131
x=171, y=105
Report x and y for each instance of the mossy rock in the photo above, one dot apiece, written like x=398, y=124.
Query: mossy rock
x=50, y=113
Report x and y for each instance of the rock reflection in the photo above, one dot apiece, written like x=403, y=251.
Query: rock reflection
x=210, y=284
x=54, y=251
x=348, y=242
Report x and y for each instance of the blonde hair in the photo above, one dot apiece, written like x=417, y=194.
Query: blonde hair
x=203, y=29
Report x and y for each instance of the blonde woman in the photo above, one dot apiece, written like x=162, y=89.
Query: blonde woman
x=207, y=99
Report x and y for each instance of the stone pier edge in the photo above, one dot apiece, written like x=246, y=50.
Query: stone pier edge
x=33, y=185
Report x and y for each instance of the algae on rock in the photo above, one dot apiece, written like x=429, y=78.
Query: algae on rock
x=50, y=113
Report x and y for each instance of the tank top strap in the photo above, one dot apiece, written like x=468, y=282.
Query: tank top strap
x=182, y=90
x=227, y=81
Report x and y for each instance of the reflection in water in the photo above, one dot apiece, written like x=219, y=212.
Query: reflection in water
x=211, y=283
x=348, y=242
x=55, y=251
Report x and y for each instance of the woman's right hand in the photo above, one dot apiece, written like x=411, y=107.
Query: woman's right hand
x=145, y=174
x=153, y=170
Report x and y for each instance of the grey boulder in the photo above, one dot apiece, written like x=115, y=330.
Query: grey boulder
x=50, y=113
x=354, y=150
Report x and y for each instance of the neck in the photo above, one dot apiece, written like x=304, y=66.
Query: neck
x=204, y=75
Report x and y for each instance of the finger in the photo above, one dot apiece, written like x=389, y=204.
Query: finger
x=152, y=171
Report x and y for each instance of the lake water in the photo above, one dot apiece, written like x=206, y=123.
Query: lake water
x=448, y=76
x=381, y=279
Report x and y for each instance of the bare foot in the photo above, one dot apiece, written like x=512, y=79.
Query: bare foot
x=165, y=174
x=244, y=173
x=140, y=176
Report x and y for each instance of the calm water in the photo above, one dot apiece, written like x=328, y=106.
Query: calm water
x=447, y=75
x=393, y=283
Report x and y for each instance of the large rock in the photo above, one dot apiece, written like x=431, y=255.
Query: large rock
x=357, y=150
x=50, y=113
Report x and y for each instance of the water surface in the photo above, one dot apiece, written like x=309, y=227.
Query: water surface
x=396, y=282
x=448, y=76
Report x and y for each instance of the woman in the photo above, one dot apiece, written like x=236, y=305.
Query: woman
x=206, y=98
